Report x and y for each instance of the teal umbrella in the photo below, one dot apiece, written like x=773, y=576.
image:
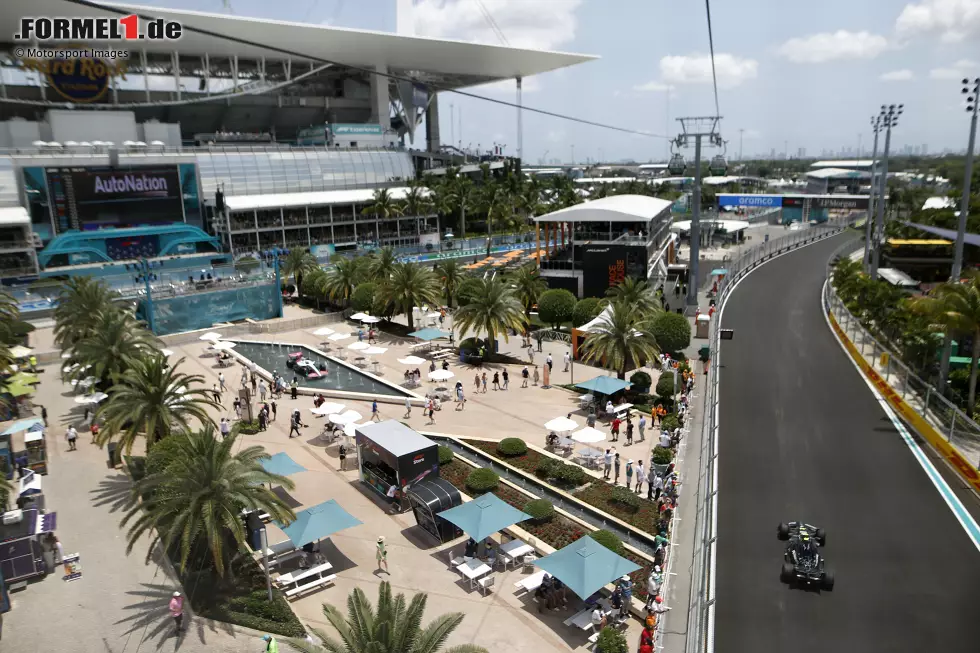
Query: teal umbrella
x=484, y=516
x=318, y=522
x=585, y=566
x=429, y=334
x=281, y=465
x=23, y=425
x=604, y=385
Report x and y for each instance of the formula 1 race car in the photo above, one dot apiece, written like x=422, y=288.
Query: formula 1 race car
x=802, y=561
x=308, y=368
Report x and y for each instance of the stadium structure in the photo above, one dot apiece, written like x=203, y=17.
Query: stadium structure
x=272, y=138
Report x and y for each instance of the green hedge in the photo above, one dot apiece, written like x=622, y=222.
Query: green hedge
x=611, y=640
x=482, y=480
x=512, y=447
x=662, y=456
x=608, y=540
x=445, y=455
x=665, y=385
x=541, y=510
x=546, y=467
x=586, y=310
x=248, y=428
x=640, y=380
x=625, y=496
x=569, y=474
x=672, y=331
x=555, y=306
x=362, y=299
x=670, y=422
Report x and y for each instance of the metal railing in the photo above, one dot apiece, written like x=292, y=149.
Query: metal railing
x=960, y=430
x=701, y=608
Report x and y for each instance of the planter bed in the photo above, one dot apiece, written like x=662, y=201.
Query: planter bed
x=559, y=532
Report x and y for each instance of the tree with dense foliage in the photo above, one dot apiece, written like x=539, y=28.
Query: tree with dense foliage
x=80, y=302
x=636, y=293
x=462, y=194
x=393, y=626
x=556, y=306
x=621, y=340
x=492, y=307
x=342, y=278
x=417, y=203
x=362, y=299
x=384, y=205
x=528, y=285
x=411, y=285
x=382, y=264
x=955, y=309
x=671, y=331
x=197, y=501
x=116, y=342
x=451, y=276
x=298, y=262
x=586, y=310
x=151, y=400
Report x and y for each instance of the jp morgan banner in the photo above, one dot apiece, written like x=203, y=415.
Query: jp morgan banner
x=763, y=201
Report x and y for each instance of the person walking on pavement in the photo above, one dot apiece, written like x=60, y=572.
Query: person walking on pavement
x=496, y=380
x=656, y=486
x=381, y=555
x=484, y=379
x=221, y=381
x=72, y=436
x=614, y=430
x=342, y=454
x=629, y=474
x=616, y=469
x=177, y=610
x=550, y=363
x=408, y=407
x=294, y=424
x=273, y=406
x=607, y=466
x=642, y=426
x=225, y=428
x=537, y=375
x=254, y=383
x=476, y=383
x=262, y=390
x=568, y=359
x=375, y=415
x=506, y=378
x=216, y=393
x=641, y=476
x=44, y=416
x=524, y=377
x=271, y=645
x=629, y=431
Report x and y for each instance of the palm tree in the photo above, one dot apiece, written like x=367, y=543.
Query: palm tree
x=392, y=627
x=497, y=203
x=417, y=203
x=450, y=273
x=9, y=309
x=954, y=308
x=462, y=194
x=385, y=206
x=313, y=284
x=198, y=499
x=297, y=263
x=493, y=307
x=636, y=293
x=845, y=273
x=80, y=301
x=383, y=263
x=152, y=400
x=411, y=285
x=342, y=278
x=118, y=340
x=621, y=340
x=528, y=285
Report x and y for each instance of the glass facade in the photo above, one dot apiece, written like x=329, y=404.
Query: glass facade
x=300, y=170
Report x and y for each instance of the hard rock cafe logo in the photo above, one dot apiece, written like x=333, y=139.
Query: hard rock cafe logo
x=78, y=74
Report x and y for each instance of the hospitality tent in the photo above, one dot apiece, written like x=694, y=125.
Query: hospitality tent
x=318, y=522
x=484, y=516
x=23, y=425
x=429, y=334
x=604, y=385
x=585, y=566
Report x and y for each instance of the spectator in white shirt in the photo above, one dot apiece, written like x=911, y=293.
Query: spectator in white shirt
x=665, y=439
x=641, y=476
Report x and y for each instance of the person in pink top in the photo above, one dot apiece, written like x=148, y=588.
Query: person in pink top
x=177, y=609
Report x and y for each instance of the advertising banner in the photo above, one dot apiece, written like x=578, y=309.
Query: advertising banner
x=73, y=566
x=764, y=201
x=605, y=266
x=355, y=130
x=831, y=202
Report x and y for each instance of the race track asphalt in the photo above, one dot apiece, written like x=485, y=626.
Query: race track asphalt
x=803, y=438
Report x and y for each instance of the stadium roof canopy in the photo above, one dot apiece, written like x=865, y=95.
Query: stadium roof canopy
x=617, y=208
x=853, y=163
x=451, y=63
x=837, y=173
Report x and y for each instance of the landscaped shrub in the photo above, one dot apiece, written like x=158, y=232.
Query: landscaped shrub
x=641, y=382
x=672, y=331
x=362, y=299
x=541, y=510
x=546, y=467
x=625, y=496
x=556, y=306
x=611, y=640
x=569, y=474
x=512, y=447
x=162, y=454
x=482, y=480
x=248, y=428
x=586, y=310
x=662, y=456
x=665, y=385
x=608, y=540
x=445, y=455
x=670, y=422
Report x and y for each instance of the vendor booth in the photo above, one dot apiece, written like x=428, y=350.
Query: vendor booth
x=37, y=450
x=24, y=538
x=428, y=499
x=393, y=457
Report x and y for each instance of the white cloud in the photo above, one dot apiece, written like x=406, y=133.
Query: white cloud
x=952, y=20
x=830, y=46
x=537, y=24
x=696, y=69
x=655, y=87
x=903, y=75
x=959, y=70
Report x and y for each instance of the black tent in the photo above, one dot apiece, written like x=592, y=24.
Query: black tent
x=429, y=498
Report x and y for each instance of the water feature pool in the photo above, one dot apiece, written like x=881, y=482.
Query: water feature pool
x=272, y=357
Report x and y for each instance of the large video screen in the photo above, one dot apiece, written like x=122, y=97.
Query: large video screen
x=95, y=198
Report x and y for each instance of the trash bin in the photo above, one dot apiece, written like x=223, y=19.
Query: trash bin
x=702, y=326
x=704, y=353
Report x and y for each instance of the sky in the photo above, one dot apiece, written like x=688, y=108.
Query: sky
x=791, y=74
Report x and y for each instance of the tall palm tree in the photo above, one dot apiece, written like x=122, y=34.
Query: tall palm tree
x=954, y=308
x=342, y=278
x=497, y=203
x=411, y=285
x=198, y=499
x=492, y=306
x=152, y=400
x=621, y=340
x=417, y=203
x=528, y=285
x=80, y=301
x=463, y=196
x=383, y=263
x=450, y=273
x=384, y=206
x=636, y=293
x=298, y=262
x=394, y=626
x=117, y=342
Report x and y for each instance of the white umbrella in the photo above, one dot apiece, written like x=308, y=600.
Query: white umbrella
x=223, y=345
x=358, y=316
x=561, y=425
x=441, y=375
x=167, y=352
x=433, y=314
x=94, y=398
x=349, y=429
x=370, y=319
x=66, y=355
x=348, y=417
x=411, y=360
x=327, y=409
x=358, y=346
x=338, y=336
x=588, y=435
x=323, y=331
x=210, y=335
x=375, y=351
x=20, y=351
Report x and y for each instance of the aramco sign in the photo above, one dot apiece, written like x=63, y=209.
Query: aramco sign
x=76, y=74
